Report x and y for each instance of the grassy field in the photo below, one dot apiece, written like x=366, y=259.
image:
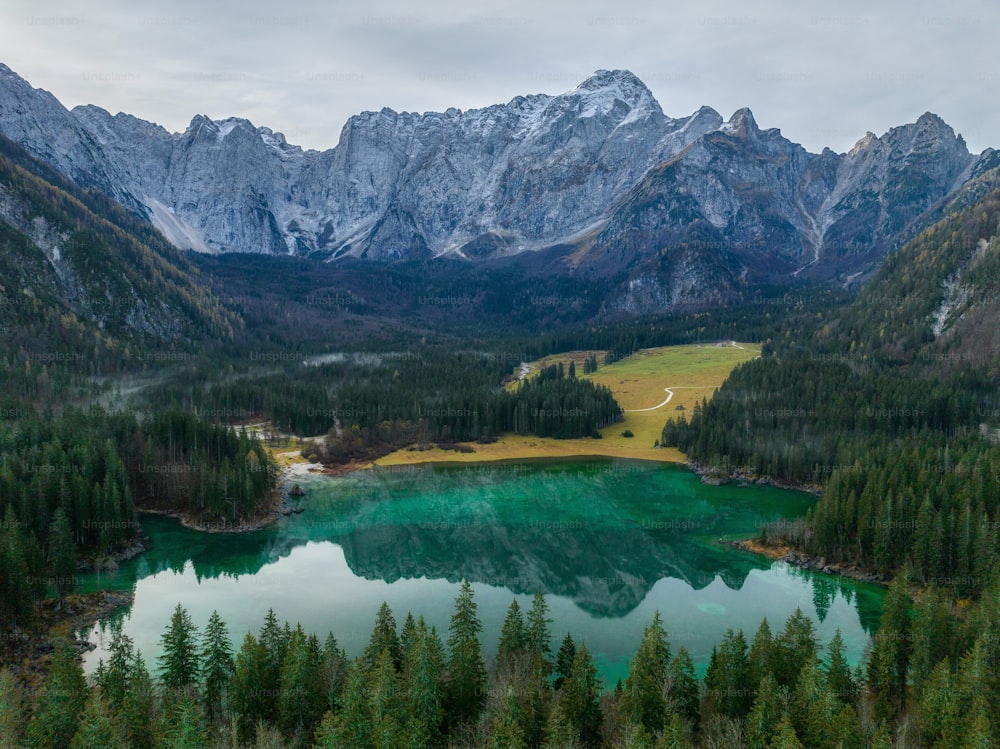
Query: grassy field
x=639, y=383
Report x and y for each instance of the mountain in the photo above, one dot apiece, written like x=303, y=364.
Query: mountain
x=669, y=212
x=742, y=206
x=83, y=280
x=934, y=305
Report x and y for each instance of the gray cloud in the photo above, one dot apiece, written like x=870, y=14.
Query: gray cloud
x=823, y=73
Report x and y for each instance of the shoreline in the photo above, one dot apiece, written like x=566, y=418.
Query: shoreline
x=708, y=476
x=796, y=558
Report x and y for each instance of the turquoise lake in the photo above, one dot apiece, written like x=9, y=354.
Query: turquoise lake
x=608, y=542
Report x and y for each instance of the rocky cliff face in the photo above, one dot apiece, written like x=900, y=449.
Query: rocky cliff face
x=682, y=211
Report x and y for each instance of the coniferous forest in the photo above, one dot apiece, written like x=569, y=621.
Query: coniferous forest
x=930, y=680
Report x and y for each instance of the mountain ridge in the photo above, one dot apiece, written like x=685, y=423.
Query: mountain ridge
x=721, y=200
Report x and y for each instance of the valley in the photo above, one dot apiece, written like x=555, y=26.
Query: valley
x=635, y=381
x=428, y=404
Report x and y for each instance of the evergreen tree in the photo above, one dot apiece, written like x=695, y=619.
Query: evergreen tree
x=61, y=553
x=187, y=727
x=890, y=655
x=580, y=698
x=673, y=736
x=407, y=636
x=838, y=671
x=795, y=648
x=766, y=714
x=391, y=725
x=559, y=732
x=216, y=665
x=684, y=691
x=179, y=660
x=763, y=653
x=17, y=612
x=466, y=680
x=505, y=730
x=564, y=660
x=423, y=679
x=785, y=737
x=384, y=637
x=301, y=700
x=513, y=636
x=334, y=666
x=62, y=700
x=273, y=640
x=249, y=695
x=727, y=685
x=97, y=730
x=139, y=709
x=353, y=725
x=644, y=687
x=539, y=632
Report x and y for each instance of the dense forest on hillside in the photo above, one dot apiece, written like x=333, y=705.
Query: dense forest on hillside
x=70, y=488
x=891, y=406
x=396, y=399
x=929, y=681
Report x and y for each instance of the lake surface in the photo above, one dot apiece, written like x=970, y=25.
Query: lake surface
x=608, y=542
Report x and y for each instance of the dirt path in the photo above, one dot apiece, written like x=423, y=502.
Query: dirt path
x=670, y=395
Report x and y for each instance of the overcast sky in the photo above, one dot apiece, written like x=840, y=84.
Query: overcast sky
x=824, y=72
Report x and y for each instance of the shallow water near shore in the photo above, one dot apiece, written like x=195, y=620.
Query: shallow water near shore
x=608, y=542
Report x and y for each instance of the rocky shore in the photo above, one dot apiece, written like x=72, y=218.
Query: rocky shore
x=805, y=561
x=710, y=475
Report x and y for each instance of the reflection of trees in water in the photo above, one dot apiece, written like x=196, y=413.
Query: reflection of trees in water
x=827, y=588
x=606, y=563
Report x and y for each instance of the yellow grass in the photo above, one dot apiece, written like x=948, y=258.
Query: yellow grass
x=638, y=382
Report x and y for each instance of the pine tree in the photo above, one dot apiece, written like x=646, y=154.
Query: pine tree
x=684, y=691
x=643, y=699
x=352, y=726
x=384, y=637
x=580, y=697
x=139, y=709
x=767, y=712
x=59, y=707
x=890, y=655
x=559, y=732
x=301, y=701
x=178, y=662
x=795, y=647
x=391, y=725
x=187, y=726
x=505, y=730
x=785, y=737
x=538, y=624
x=216, y=665
x=407, y=636
x=423, y=679
x=61, y=553
x=273, y=639
x=838, y=670
x=513, y=636
x=334, y=666
x=564, y=660
x=763, y=653
x=727, y=684
x=249, y=696
x=115, y=677
x=466, y=679
x=17, y=612
x=673, y=736
x=97, y=729
x=815, y=708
